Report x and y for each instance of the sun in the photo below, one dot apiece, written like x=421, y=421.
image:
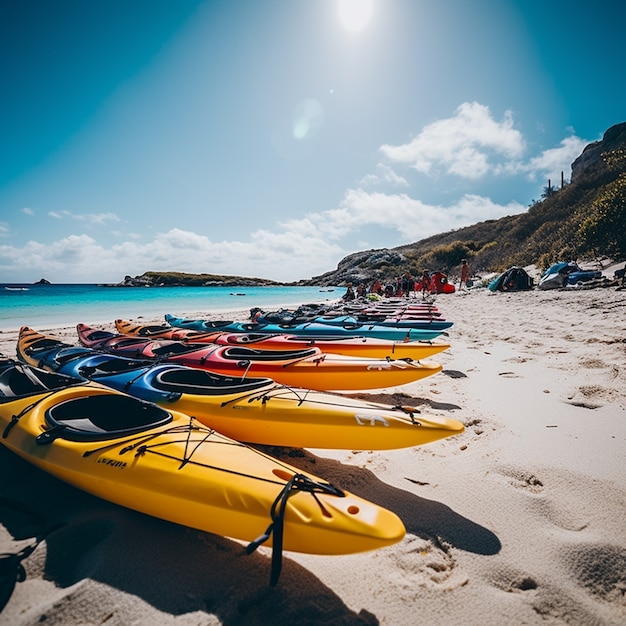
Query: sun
x=355, y=14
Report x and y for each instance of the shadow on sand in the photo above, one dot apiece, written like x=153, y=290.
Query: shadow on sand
x=179, y=570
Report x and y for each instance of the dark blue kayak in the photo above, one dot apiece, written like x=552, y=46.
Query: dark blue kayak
x=159, y=383
x=358, y=329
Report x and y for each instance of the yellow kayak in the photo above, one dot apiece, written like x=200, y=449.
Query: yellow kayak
x=367, y=347
x=247, y=409
x=167, y=464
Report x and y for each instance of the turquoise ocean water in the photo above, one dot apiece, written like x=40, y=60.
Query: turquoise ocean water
x=58, y=305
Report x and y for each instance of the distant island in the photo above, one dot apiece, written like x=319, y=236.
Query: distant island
x=182, y=279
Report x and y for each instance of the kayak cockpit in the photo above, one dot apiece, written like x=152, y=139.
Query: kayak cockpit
x=101, y=417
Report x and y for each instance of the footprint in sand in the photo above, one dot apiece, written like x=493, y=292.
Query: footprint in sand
x=594, y=391
x=454, y=373
x=508, y=375
x=592, y=396
x=517, y=359
x=549, y=601
x=560, y=508
x=584, y=405
x=535, y=344
x=426, y=563
x=522, y=479
x=593, y=363
x=599, y=569
x=513, y=581
x=476, y=425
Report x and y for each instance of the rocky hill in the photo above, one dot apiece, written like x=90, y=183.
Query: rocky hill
x=585, y=219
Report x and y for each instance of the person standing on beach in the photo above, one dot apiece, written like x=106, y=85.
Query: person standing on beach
x=465, y=273
x=424, y=282
x=408, y=284
x=349, y=295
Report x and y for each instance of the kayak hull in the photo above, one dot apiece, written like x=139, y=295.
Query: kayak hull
x=186, y=473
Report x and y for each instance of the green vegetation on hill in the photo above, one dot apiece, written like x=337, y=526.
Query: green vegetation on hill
x=182, y=279
x=585, y=219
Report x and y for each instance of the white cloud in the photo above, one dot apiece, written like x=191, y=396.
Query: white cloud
x=414, y=219
x=297, y=249
x=463, y=144
x=411, y=218
x=97, y=218
x=28, y=211
x=64, y=255
x=384, y=174
x=92, y=218
x=472, y=145
x=79, y=258
x=550, y=163
x=123, y=234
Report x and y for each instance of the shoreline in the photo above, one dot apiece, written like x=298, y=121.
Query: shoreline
x=517, y=520
x=56, y=306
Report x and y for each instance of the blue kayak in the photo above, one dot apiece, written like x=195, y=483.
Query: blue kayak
x=358, y=329
x=424, y=324
x=158, y=383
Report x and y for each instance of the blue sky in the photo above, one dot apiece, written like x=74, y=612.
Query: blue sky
x=271, y=138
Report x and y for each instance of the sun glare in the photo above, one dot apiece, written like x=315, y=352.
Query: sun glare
x=355, y=14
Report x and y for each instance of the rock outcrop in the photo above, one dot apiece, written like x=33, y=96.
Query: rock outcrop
x=613, y=138
x=361, y=267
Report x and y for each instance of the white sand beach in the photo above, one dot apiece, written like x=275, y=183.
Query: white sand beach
x=519, y=520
